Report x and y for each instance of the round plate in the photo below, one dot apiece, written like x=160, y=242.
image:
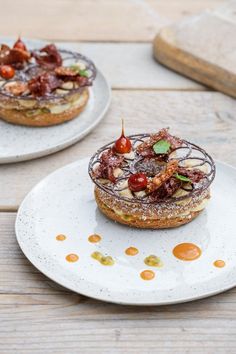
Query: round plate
x=20, y=143
x=63, y=203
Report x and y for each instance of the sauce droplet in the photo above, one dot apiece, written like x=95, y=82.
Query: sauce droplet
x=153, y=261
x=131, y=251
x=94, y=238
x=104, y=260
x=72, y=257
x=123, y=144
x=187, y=251
x=219, y=263
x=60, y=237
x=147, y=275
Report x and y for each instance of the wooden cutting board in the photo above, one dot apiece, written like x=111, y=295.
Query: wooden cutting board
x=203, y=48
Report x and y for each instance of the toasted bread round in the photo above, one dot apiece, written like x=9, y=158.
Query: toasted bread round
x=135, y=221
x=20, y=117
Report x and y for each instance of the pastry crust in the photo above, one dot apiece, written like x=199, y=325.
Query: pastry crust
x=44, y=119
x=136, y=221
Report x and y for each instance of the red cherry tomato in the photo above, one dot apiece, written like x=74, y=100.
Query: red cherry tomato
x=7, y=71
x=137, y=182
x=123, y=145
x=19, y=44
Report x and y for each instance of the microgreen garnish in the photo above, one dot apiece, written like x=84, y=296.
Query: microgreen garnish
x=81, y=72
x=182, y=178
x=161, y=147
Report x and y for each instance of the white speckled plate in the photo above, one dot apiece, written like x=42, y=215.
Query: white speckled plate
x=63, y=203
x=19, y=143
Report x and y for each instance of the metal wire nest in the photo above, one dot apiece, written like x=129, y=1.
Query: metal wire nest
x=32, y=70
x=186, y=152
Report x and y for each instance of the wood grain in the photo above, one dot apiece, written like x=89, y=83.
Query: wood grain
x=132, y=66
x=206, y=118
x=176, y=10
x=88, y=20
x=125, y=65
x=202, y=48
x=38, y=316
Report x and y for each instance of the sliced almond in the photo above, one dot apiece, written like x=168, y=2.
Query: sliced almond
x=126, y=193
x=117, y=172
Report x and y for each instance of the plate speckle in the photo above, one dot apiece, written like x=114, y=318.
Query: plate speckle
x=63, y=204
x=20, y=143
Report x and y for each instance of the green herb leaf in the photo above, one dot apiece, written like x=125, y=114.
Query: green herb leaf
x=83, y=73
x=77, y=70
x=182, y=178
x=161, y=147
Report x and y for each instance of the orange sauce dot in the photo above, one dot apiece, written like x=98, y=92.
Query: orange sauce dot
x=60, y=237
x=94, y=238
x=187, y=251
x=72, y=257
x=131, y=251
x=147, y=275
x=219, y=263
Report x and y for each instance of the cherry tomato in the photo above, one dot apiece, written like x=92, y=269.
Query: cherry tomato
x=137, y=182
x=123, y=145
x=7, y=71
x=19, y=44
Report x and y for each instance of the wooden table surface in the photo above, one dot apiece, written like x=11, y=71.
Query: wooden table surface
x=37, y=315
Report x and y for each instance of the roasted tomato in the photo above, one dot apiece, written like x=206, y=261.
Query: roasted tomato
x=7, y=72
x=137, y=182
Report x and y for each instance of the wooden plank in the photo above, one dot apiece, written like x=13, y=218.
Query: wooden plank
x=37, y=317
x=101, y=20
x=210, y=114
x=227, y=10
x=80, y=20
x=202, y=48
x=176, y=10
x=125, y=65
x=132, y=66
x=17, y=274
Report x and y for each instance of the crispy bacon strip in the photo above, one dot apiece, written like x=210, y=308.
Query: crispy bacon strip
x=163, y=176
x=43, y=84
x=166, y=190
x=65, y=71
x=109, y=161
x=194, y=174
x=15, y=57
x=68, y=74
x=152, y=140
x=145, y=148
x=50, y=57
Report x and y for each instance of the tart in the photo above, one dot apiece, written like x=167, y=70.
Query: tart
x=152, y=180
x=43, y=87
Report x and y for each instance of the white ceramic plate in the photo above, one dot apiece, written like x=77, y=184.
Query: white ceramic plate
x=63, y=203
x=19, y=143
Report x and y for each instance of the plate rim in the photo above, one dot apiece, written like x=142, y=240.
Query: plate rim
x=59, y=280
x=69, y=141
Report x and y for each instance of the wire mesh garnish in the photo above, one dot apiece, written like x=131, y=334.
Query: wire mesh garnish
x=31, y=70
x=185, y=154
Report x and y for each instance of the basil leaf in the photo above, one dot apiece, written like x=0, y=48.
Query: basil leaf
x=182, y=178
x=161, y=147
